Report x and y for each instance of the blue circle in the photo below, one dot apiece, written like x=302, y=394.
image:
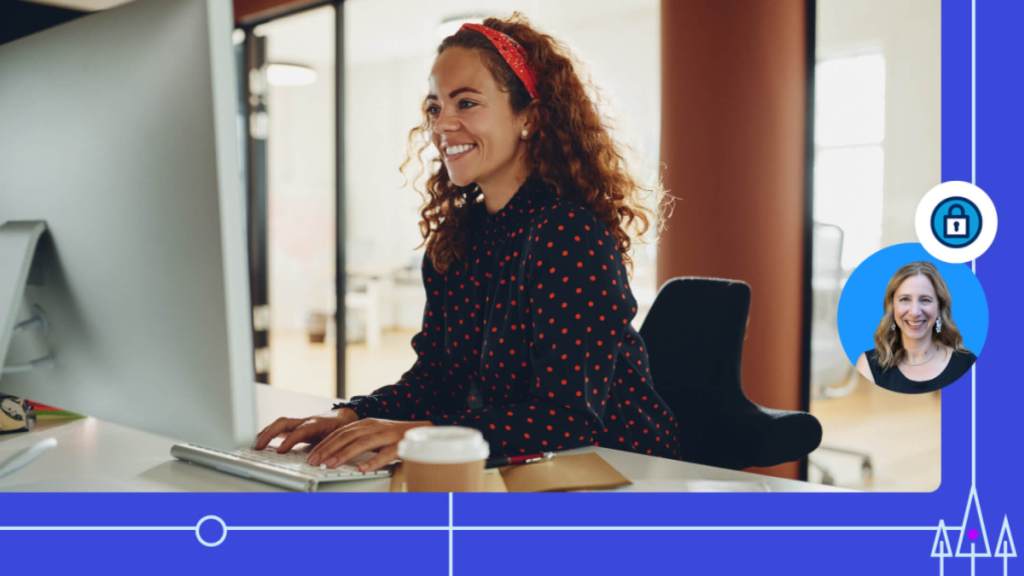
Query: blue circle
x=956, y=222
x=861, y=307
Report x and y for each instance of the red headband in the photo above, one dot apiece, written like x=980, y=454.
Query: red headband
x=512, y=52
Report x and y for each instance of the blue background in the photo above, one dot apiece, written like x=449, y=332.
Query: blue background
x=860, y=306
x=1000, y=123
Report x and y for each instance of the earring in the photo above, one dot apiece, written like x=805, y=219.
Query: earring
x=892, y=327
x=524, y=134
x=938, y=325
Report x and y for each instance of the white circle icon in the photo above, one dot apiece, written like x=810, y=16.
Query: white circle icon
x=956, y=222
x=215, y=520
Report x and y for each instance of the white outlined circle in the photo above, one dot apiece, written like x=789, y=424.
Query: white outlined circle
x=926, y=209
x=223, y=530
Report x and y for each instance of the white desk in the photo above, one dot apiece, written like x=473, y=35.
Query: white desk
x=95, y=455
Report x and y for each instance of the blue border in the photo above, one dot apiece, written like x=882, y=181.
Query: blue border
x=999, y=430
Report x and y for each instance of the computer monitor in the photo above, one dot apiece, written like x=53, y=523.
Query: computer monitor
x=119, y=130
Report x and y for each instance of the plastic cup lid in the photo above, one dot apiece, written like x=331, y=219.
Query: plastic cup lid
x=443, y=445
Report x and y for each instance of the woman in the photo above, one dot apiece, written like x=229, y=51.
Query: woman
x=917, y=346
x=526, y=333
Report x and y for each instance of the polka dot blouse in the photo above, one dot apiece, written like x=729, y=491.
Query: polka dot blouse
x=528, y=339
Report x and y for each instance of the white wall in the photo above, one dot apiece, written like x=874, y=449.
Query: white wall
x=907, y=32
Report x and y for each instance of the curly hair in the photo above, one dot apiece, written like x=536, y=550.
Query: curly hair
x=571, y=149
x=888, y=341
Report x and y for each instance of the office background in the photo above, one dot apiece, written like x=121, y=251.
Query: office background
x=875, y=152
x=999, y=124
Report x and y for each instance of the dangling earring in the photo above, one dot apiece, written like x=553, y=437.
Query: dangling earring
x=938, y=325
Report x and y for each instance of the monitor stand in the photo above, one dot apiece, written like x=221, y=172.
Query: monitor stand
x=19, y=266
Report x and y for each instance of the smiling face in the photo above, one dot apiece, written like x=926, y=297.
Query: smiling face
x=915, y=307
x=474, y=127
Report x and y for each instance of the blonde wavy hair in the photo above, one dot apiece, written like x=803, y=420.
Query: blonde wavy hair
x=888, y=341
x=571, y=149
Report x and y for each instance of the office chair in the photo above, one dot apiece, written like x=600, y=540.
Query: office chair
x=694, y=334
x=832, y=375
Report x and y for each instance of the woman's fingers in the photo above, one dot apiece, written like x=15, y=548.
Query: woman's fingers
x=309, y=431
x=347, y=442
x=338, y=440
x=386, y=454
x=279, y=426
x=296, y=430
x=357, y=446
x=326, y=445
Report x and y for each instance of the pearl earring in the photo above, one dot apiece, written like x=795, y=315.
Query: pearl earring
x=524, y=133
x=938, y=326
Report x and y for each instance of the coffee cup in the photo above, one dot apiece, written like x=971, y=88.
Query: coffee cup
x=443, y=459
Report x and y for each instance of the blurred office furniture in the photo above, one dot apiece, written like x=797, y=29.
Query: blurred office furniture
x=832, y=374
x=363, y=297
x=409, y=297
x=694, y=335
x=383, y=297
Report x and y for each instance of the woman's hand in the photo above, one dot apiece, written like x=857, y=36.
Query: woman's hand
x=311, y=430
x=351, y=440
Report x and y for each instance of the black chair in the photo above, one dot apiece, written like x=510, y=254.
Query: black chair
x=694, y=334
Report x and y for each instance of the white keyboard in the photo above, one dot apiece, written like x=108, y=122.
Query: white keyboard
x=295, y=460
x=288, y=470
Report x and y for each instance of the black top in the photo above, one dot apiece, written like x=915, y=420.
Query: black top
x=528, y=339
x=893, y=379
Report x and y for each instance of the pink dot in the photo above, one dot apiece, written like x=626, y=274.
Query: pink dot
x=972, y=534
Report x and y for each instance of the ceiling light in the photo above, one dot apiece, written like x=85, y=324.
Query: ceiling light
x=285, y=74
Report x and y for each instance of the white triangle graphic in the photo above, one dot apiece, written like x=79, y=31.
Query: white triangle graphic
x=973, y=548
x=941, y=547
x=1005, y=548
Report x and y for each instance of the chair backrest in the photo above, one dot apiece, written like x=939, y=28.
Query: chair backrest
x=827, y=252
x=694, y=335
x=830, y=369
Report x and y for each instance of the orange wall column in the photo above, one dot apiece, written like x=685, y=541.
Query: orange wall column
x=247, y=11
x=734, y=81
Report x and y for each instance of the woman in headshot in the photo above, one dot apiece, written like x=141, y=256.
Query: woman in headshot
x=526, y=333
x=917, y=345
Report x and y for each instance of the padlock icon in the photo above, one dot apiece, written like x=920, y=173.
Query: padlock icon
x=956, y=222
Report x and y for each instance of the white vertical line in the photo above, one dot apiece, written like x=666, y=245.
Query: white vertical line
x=974, y=425
x=974, y=267
x=974, y=94
x=451, y=536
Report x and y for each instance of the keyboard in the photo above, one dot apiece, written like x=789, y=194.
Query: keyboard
x=288, y=470
x=296, y=460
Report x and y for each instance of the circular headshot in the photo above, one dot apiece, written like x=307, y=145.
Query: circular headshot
x=897, y=322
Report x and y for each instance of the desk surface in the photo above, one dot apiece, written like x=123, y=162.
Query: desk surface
x=95, y=455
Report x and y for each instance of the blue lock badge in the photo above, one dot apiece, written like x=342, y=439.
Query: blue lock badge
x=957, y=222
